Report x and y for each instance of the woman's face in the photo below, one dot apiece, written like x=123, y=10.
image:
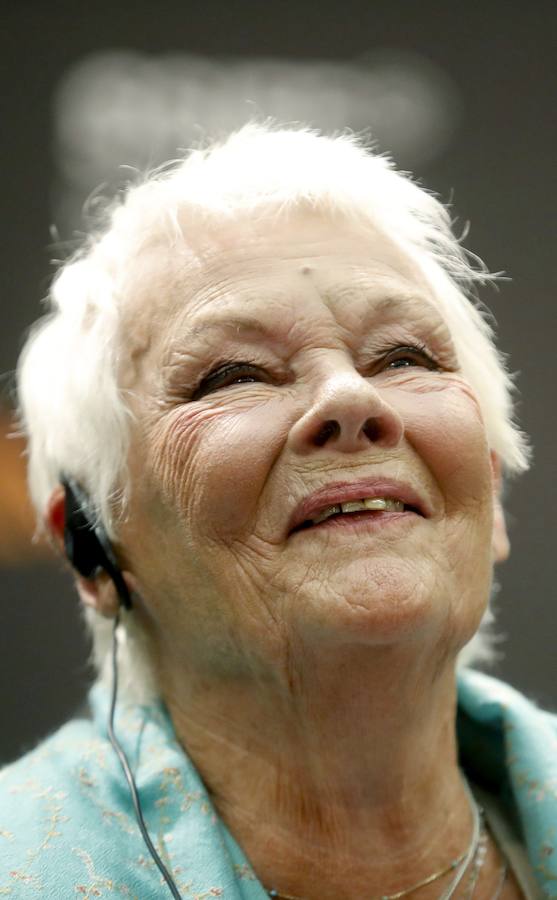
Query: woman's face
x=316, y=317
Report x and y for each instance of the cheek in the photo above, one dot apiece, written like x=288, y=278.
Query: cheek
x=212, y=465
x=447, y=430
x=448, y=433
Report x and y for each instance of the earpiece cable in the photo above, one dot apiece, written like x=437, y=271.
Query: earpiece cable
x=127, y=771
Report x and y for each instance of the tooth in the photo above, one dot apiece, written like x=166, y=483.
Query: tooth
x=330, y=511
x=382, y=503
x=353, y=506
x=375, y=503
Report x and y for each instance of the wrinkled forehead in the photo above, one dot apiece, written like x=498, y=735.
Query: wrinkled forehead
x=245, y=267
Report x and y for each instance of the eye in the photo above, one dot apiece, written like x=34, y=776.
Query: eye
x=226, y=375
x=411, y=356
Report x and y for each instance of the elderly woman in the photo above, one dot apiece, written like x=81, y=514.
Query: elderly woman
x=269, y=427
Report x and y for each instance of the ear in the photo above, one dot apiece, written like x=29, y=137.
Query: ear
x=500, y=543
x=99, y=592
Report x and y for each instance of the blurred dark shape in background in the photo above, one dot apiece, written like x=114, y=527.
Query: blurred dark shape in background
x=463, y=96
x=17, y=517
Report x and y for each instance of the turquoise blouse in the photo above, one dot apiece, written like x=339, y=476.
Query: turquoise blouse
x=68, y=829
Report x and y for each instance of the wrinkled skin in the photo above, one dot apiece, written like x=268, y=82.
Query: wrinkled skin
x=220, y=476
x=321, y=662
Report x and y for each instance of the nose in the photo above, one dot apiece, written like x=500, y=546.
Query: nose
x=348, y=414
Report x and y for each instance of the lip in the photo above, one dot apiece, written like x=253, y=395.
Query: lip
x=343, y=491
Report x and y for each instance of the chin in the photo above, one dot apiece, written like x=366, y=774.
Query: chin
x=383, y=605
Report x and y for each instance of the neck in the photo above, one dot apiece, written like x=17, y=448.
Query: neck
x=350, y=765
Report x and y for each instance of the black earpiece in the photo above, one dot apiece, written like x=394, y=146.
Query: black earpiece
x=86, y=544
x=89, y=550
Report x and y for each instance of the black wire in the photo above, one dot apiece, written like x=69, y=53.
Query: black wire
x=127, y=771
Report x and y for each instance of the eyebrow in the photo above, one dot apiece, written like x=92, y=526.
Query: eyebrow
x=399, y=303
x=241, y=325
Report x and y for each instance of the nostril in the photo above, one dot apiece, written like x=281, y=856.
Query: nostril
x=372, y=429
x=329, y=429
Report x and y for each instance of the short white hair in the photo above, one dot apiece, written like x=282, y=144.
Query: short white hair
x=71, y=406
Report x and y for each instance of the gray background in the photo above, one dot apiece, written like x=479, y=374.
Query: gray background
x=498, y=166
